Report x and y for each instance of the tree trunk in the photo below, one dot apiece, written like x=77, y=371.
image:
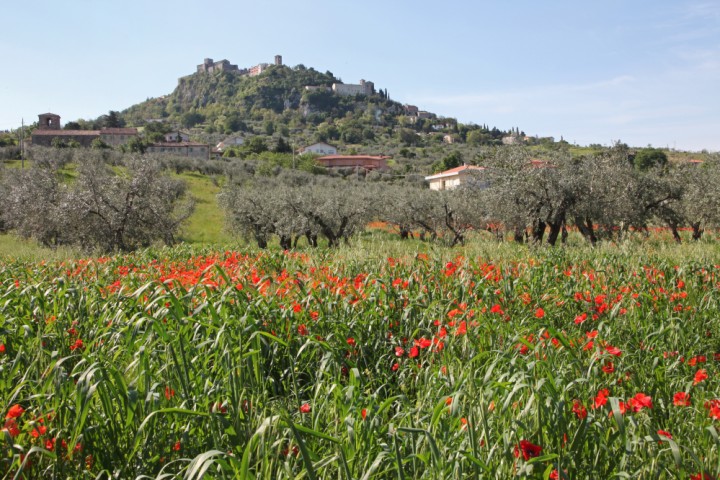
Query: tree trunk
x=285, y=242
x=676, y=235
x=519, y=235
x=555, y=228
x=697, y=231
x=538, y=231
x=586, y=229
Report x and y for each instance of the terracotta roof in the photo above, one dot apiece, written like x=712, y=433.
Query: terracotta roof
x=454, y=171
x=696, y=161
x=65, y=133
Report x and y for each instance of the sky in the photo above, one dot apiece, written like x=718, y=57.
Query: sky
x=591, y=72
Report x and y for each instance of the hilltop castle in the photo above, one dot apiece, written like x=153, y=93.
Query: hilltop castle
x=209, y=66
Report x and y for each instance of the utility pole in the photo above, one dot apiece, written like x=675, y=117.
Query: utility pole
x=22, y=143
x=293, y=148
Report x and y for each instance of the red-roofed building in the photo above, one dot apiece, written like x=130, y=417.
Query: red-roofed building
x=454, y=177
x=366, y=162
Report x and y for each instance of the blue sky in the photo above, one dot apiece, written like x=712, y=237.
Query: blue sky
x=643, y=72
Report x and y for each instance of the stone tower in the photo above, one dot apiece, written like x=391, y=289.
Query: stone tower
x=278, y=59
x=48, y=121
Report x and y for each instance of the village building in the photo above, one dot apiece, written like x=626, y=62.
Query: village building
x=454, y=177
x=48, y=134
x=182, y=149
x=364, y=162
x=117, y=136
x=177, y=136
x=320, y=148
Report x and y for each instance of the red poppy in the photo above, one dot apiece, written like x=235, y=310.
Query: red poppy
x=613, y=350
x=2, y=348
x=496, y=309
x=305, y=408
x=414, y=352
x=399, y=351
x=302, y=330
x=539, y=313
x=351, y=341
x=11, y=427
x=608, y=368
x=700, y=376
x=639, y=401
x=528, y=450
x=177, y=446
x=601, y=398
x=423, y=342
x=15, y=411
x=579, y=409
x=169, y=392
x=681, y=399
x=663, y=433
x=363, y=413
x=78, y=345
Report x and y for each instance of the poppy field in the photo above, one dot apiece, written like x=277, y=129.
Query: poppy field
x=194, y=363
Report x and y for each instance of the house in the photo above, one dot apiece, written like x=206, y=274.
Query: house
x=454, y=177
x=320, y=148
x=117, y=136
x=183, y=149
x=365, y=162
x=177, y=136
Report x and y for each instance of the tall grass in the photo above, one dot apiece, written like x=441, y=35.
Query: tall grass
x=371, y=361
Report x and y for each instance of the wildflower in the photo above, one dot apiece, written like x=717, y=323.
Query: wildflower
x=681, y=399
x=663, y=433
x=36, y=432
x=527, y=449
x=580, y=318
x=305, y=408
x=395, y=367
x=579, y=409
x=613, y=350
x=601, y=398
x=639, y=401
x=608, y=368
x=414, y=352
x=15, y=411
x=11, y=427
x=169, y=392
x=363, y=413
x=399, y=351
x=2, y=348
x=351, y=341
x=302, y=330
x=539, y=313
x=297, y=308
x=177, y=446
x=700, y=376
x=78, y=345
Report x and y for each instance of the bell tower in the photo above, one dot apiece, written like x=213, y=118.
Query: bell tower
x=48, y=121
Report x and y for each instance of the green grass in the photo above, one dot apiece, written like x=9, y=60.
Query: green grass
x=206, y=226
x=341, y=363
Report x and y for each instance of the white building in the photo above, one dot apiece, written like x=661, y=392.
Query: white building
x=320, y=148
x=454, y=177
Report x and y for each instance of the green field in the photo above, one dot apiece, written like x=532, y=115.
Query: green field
x=382, y=359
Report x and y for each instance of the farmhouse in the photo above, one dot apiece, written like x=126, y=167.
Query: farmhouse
x=365, y=162
x=320, y=148
x=454, y=177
